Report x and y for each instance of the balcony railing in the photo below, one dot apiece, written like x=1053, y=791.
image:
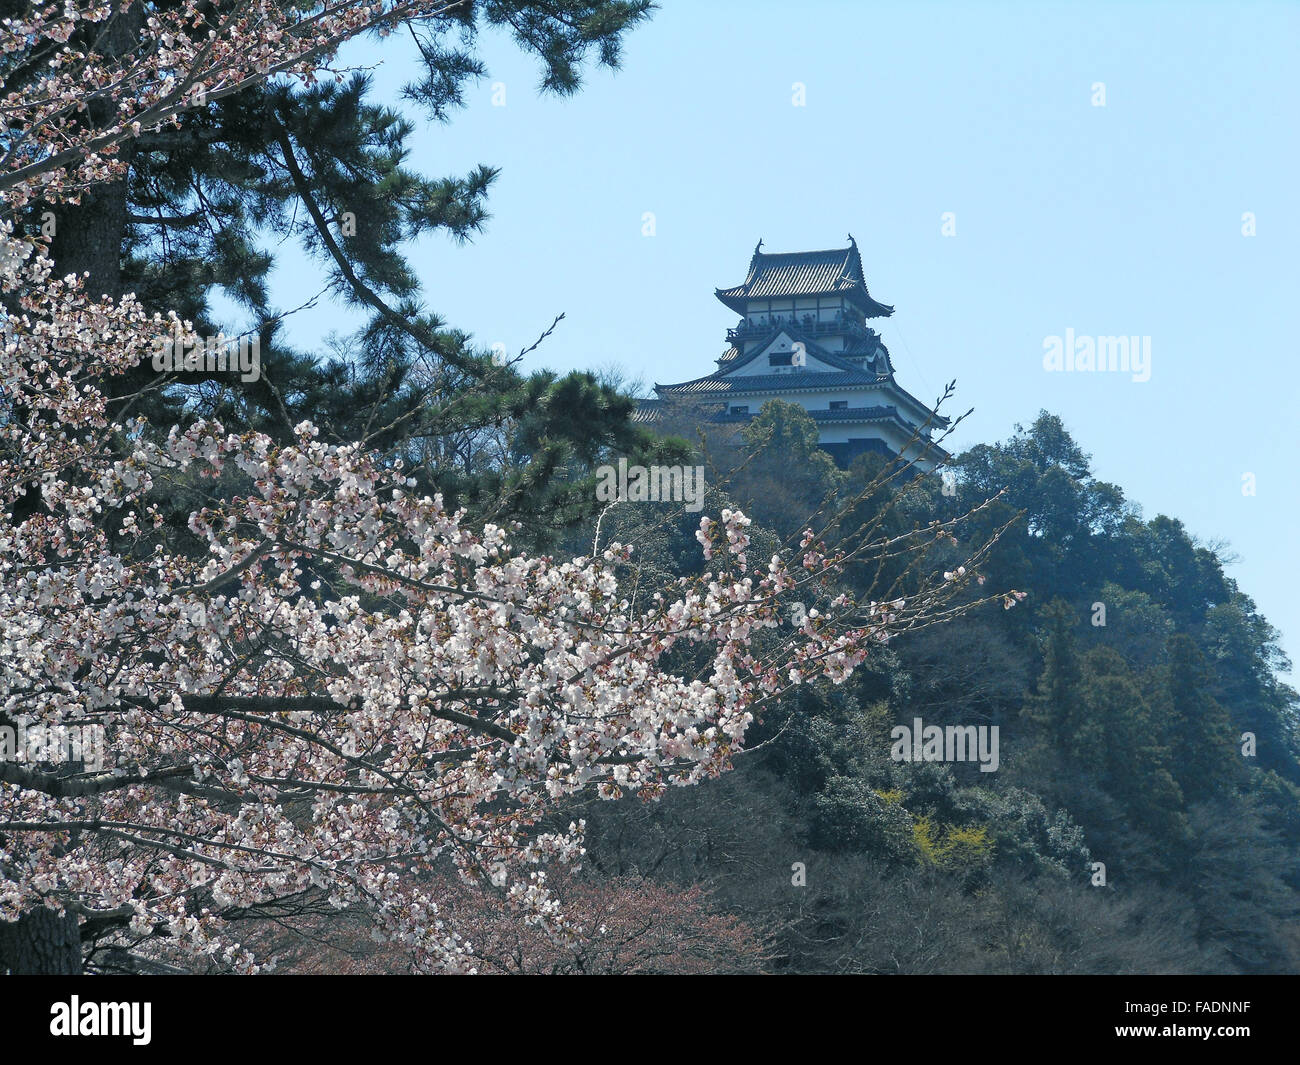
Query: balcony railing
x=748, y=328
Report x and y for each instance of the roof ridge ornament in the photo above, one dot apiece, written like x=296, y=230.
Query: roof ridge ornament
x=848, y=263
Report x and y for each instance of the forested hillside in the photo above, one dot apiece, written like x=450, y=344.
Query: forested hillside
x=1143, y=728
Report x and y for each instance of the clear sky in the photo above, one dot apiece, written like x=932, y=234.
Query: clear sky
x=1118, y=219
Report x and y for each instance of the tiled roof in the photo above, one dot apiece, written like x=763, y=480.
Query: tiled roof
x=837, y=271
x=770, y=382
x=857, y=414
x=725, y=382
x=646, y=411
x=651, y=411
x=732, y=362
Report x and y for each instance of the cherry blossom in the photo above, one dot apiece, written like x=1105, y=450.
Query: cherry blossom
x=346, y=688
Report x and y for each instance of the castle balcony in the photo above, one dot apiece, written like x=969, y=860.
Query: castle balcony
x=750, y=329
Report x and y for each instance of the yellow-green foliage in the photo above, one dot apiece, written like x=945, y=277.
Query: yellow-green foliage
x=923, y=837
x=951, y=847
x=968, y=847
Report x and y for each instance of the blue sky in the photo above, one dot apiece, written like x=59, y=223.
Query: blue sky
x=1123, y=219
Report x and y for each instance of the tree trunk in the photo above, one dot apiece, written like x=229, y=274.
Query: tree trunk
x=40, y=943
x=88, y=236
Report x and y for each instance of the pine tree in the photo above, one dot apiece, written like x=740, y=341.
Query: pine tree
x=204, y=207
x=1202, y=753
x=785, y=476
x=1058, y=704
x=1135, y=765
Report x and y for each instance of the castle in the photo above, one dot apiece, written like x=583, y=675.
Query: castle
x=803, y=337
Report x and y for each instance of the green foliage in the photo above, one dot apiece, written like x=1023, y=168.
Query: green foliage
x=848, y=814
x=1120, y=745
x=1204, y=757
x=786, y=476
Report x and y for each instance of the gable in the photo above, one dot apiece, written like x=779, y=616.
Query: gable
x=778, y=356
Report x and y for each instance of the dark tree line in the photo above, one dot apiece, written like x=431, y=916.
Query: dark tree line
x=1123, y=740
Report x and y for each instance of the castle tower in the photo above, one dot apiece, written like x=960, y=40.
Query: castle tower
x=804, y=337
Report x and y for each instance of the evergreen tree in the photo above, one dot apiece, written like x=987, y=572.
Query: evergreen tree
x=205, y=208
x=1127, y=748
x=1058, y=705
x=1203, y=756
x=785, y=476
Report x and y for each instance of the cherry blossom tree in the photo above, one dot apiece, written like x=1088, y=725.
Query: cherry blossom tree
x=346, y=689
x=619, y=926
x=90, y=81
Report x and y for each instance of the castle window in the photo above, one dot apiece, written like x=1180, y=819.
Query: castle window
x=740, y=410
x=839, y=404
x=779, y=359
